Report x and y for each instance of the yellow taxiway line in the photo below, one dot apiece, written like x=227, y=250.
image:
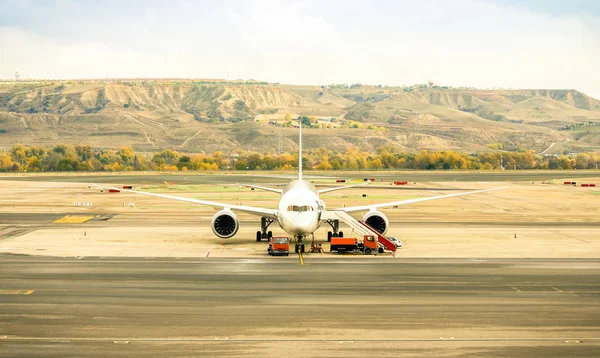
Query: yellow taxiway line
x=16, y=292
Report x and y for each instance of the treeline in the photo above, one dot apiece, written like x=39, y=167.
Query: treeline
x=85, y=158
x=579, y=125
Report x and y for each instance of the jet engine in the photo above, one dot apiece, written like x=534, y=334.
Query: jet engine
x=377, y=221
x=225, y=224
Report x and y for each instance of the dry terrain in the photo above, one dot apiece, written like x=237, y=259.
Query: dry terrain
x=207, y=118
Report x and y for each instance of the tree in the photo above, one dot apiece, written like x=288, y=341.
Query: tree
x=167, y=156
x=60, y=149
x=67, y=165
x=324, y=165
x=375, y=164
x=6, y=163
x=305, y=121
x=218, y=159
x=34, y=164
x=126, y=155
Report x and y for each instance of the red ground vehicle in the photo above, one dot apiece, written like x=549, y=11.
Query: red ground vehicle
x=350, y=244
x=279, y=245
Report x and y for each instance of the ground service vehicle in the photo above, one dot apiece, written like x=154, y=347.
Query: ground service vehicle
x=396, y=241
x=279, y=245
x=368, y=245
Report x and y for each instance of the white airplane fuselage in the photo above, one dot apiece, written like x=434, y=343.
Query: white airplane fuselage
x=299, y=208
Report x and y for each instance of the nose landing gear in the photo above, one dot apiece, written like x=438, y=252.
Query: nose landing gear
x=299, y=245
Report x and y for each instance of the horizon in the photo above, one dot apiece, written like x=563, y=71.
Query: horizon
x=260, y=82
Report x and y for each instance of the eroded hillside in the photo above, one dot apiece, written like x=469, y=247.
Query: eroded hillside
x=206, y=118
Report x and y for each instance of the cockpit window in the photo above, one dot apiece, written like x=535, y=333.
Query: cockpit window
x=298, y=208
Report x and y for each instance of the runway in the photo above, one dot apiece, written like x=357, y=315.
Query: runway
x=355, y=306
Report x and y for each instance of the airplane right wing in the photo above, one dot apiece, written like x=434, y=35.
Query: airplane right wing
x=410, y=201
x=327, y=190
x=265, y=188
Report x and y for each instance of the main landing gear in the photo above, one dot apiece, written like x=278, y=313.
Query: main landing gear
x=335, y=226
x=263, y=233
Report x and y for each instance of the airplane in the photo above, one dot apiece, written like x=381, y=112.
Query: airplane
x=300, y=211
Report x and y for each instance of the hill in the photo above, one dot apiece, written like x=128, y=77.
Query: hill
x=209, y=117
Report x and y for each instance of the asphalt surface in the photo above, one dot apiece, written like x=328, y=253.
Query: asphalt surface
x=355, y=306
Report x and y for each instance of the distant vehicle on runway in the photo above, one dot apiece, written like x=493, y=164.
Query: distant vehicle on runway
x=396, y=241
x=301, y=211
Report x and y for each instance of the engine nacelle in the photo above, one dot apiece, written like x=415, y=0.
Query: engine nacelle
x=377, y=221
x=225, y=224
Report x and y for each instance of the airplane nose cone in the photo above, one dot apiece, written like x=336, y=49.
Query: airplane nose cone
x=302, y=223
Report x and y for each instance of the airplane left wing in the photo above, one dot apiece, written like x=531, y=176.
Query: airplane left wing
x=410, y=201
x=269, y=213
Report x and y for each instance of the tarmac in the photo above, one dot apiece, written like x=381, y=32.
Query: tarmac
x=121, y=307
x=514, y=272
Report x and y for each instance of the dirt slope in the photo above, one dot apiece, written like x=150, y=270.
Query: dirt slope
x=197, y=118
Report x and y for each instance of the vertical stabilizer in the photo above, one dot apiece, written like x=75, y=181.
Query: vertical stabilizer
x=300, y=151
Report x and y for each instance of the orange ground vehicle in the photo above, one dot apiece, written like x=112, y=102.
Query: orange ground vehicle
x=279, y=245
x=350, y=244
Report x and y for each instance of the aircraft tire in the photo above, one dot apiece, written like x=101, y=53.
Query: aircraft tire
x=329, y=236
x=340, y=234
x=258, y=236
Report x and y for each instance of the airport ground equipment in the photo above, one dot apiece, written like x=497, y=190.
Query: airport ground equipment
x=279, y=245
x=315, y=248
x=358, y=227
x=349, y=244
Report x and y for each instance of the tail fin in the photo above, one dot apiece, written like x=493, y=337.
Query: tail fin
x=300, y=152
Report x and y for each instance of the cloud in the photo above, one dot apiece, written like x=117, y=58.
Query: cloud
x=283, y=41
x=38, y=57
x=460, y=42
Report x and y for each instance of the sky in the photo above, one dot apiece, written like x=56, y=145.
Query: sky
x=477, y=43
